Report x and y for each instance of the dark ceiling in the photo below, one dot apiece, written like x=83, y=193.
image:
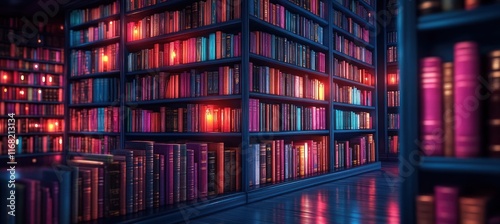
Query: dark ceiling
x=29, y=8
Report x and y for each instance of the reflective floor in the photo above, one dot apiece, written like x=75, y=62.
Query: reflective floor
x=367, y=198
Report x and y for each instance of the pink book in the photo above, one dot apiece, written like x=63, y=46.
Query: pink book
x=467, y=132
x=431, y=111
x=201, y=159
x=446, y=204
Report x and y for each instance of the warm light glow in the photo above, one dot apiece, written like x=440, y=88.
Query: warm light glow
x=40, y=91
x=43, y=78
x=50, y=78
x=60, y=141
x=26, y=108
x=110, y=22
x=321, y=92
x=210, y=120
x=33, y=160
x=5, y=77
x=57, y=123
x=36, y=125
x=105, y=58
x=173, y=55
x=22, y=77
x=39, y=41
x=61, y=27
x=21, y=92
x=36, y=65
x=5, y=89
x=51, y=127
x=393, y=80
x=17, y=141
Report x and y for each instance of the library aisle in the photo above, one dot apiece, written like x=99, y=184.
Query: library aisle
x=366, y=198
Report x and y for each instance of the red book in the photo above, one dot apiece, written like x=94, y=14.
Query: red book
x=446, y=205
x=431, y=102
x=467, y=113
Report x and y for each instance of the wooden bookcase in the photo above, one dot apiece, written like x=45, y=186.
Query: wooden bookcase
x=246, y=25
x=435, y=35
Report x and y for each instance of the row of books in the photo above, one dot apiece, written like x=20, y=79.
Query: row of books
x=80, y=16
x=138, y=4
x=354, y=152
x=103, y=30
x=31, y=109
x=39, y=79
x=216, y=45
x=348, y=47
x=392, y=54
x=393, y=144
x=146, y=175
x=33, y=125
x=17, y=23
x=393, y=98
x=348, y=24
x=96, y=90
x=282, y=49
x=194, y=15
x=163, y=85
x=192, y=118
x=356, y=7
x=274, y=81
x=34, y=144
x=392, y=37
x=352, y=95
x=317, y=7
x=102, y=119
x=101, y=59
x=274, y=117
x=275, y=161
x=393, y=78
x=278, y=15
x=29, y=65
x=351, y=71
x=393, y=121
x=102, y=144
x=32, y=94
x=350, y=120
x=452, y=102
x=451, y=204
x=43, y=40
x=31, y=53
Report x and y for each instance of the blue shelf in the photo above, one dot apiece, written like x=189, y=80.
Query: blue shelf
x=303, y=12
x=353, y=15
x=261, y=193
x=392, y=130
x=459, y=19
x=352, y=106
x=30, y=86
x=104, y=104
x=462, y=166
x=273, y=62
x=97, y=43
x=351, y=36
x=288, y=133
x=270, y=28
x=348, y=58
x=95, y=22
x=393, y=108
x=351, y=82
x=183, y=134
x=93, y=133
x=392, y=44
x=186, y=67
x=184, y=34
x=354, y=131
x=287, y=99
x=184, y=100
x=95, y=75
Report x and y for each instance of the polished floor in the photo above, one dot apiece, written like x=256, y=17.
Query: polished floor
x=367, y=198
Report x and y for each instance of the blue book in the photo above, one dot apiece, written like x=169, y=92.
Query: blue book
x=299, y=116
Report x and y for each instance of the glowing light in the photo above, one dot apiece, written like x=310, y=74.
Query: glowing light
x=36, y=65
x=4, y=76
x=43, y=78
x=60, y=141
x=5, y=89
x=51, y=127
x=61, y=27
x=39, y=41
x=40, y=91
x=210, y=120
x=21, y=92
x=105, y=58
x=50, y=78
x=17, y=141
x=57, y=123
x=36, y=125
x=26, y=108
x=173, y=55
x=33, y=160
x=22, y=77
x=110, y=22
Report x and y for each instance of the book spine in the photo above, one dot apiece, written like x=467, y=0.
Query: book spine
x=431, y=106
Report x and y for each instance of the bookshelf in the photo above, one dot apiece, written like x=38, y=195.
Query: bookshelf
x=215, y=85
x=388, y=66
x=31, y=83
x=451, y=174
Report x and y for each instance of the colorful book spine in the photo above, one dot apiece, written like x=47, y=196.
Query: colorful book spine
x=352, y=49
x=431, y=101
x=28, y=109
x=357, y=8
x=350, y=120
x=354, y=152
x=25, y=78
x=317, y=7
x=467, y=116
x=352, y=95
x=103, y=31
x=347, y=70
x=31, y=66
x=446, y=204
x=96, y=90
x=393, y=98
x=96, y=145
x=348, y=24
x=393, y=121
x=96, y=60
x=103, y=119
x=32, y=94
x=81, y=16
x=494, y=104
x=425, y=209
x=448, y=110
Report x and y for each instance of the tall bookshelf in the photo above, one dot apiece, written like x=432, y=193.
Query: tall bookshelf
x=453, y=177
x=31, y=83
x=246, y=83
x=388, y=68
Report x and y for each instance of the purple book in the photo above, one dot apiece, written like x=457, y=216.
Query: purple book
x=201, y=158
x=467, y=132
x=431, y=110
x=190, y=188
x=166, y=150
x=163, y=186
x=446, y=204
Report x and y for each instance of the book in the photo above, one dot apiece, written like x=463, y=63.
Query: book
x=446, y=204
x=350, y=120
x=448, y=110
x=431, y=110
x=425, y=209
x=351, y=95
x=494, y=102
